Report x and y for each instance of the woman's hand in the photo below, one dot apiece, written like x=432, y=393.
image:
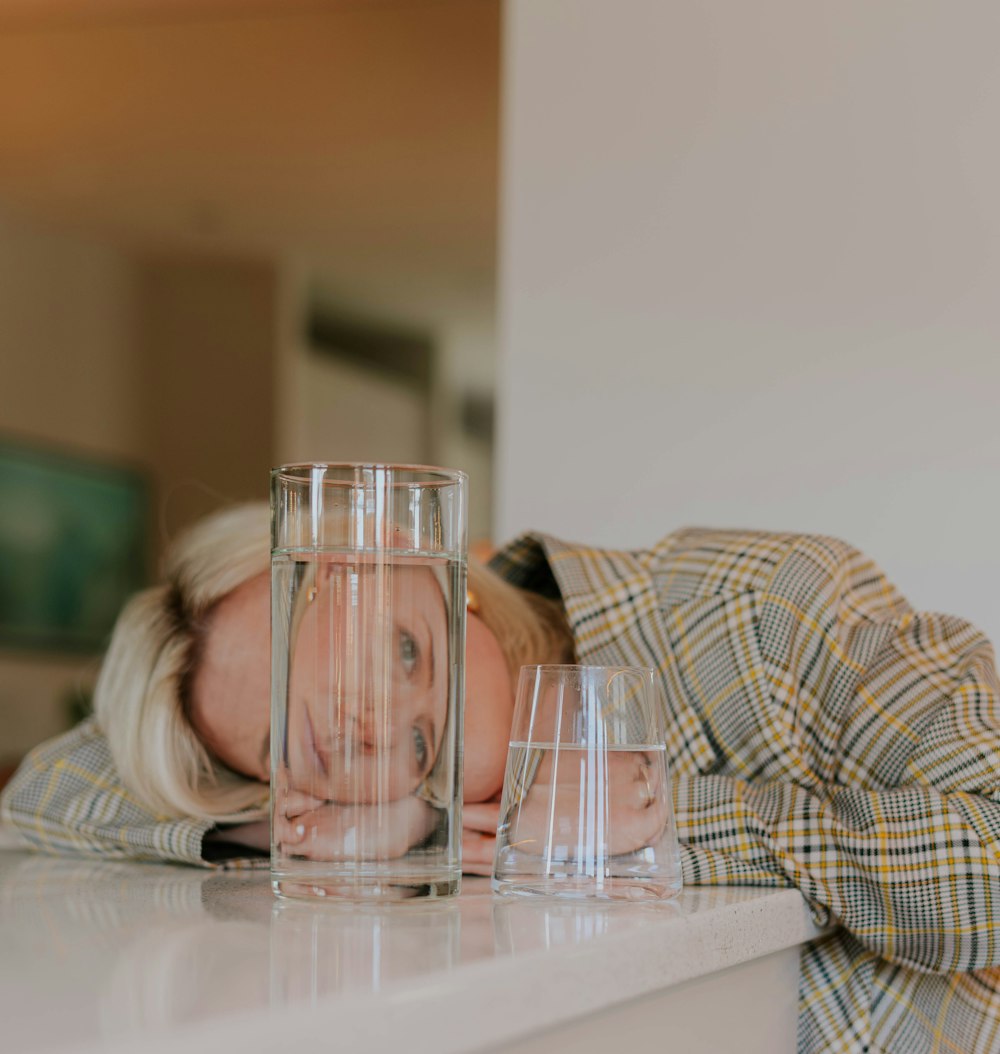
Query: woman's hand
x=319, y=830
x=637, y=804
x=479, y=836
x=637, y=811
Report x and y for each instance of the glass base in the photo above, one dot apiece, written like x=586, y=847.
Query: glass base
x=583, y=887
x=314, y=885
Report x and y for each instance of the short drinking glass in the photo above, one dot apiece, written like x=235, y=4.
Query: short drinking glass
x=587, y=808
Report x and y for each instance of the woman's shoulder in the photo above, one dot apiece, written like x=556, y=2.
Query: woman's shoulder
x=803, y=569
x=82, y=746
x=67, y=797
x=56, y=771
x=706, y=561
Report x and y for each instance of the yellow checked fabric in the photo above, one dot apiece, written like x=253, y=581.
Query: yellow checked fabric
x=67, y=798
x=822, y=735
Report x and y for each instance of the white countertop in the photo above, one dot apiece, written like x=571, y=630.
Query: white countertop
x=95, y=955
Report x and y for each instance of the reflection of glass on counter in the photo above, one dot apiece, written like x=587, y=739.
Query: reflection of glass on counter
x=112, y=896
x=129, y=947
x=321, y=951
x=106, y=897
x=174, y=974
x=529, y=925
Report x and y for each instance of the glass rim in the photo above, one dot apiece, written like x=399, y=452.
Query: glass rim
x=433, y=475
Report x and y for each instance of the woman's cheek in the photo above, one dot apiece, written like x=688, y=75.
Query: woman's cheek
x=486, y=740
x=489, y=709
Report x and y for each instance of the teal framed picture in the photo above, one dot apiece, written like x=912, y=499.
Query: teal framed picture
x=74, y=544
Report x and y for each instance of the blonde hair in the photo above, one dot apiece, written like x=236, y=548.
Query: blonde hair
x=528, y=627
x=142, y=695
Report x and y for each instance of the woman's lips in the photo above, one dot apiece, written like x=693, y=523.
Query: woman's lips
x=351, y=742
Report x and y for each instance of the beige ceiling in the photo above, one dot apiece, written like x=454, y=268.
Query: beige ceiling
x=360, y=134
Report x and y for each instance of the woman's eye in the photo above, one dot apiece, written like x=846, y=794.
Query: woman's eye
x=420, y=748
x=408, y=652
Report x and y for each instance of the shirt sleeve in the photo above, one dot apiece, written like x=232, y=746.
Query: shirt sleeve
x=862, y=763
x=66, y=797
x=911, y=872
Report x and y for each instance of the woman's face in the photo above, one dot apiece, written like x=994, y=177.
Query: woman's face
x=368, y=679
x=344, y=743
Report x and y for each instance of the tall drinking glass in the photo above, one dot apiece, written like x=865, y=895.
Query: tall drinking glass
x=368, y=573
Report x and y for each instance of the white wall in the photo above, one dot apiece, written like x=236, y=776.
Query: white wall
x=749, y=272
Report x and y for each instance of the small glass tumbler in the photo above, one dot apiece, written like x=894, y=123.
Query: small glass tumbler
x=587, y=808
x=368, y=575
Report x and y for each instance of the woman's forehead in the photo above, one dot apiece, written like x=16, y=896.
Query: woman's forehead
x=244, y=613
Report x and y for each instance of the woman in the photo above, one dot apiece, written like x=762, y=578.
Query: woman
x=821, y=734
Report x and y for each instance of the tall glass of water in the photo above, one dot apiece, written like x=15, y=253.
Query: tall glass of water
x=368, y=574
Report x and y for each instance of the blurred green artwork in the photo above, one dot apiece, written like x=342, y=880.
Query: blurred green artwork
x=73, y=547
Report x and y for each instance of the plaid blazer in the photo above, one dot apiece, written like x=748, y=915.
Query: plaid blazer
x=821, y=735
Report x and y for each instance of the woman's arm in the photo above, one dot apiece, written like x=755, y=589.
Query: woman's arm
x=859, y=747
x=913, y=873
x=67, y=798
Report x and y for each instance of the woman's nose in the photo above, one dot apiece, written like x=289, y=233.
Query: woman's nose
x=367, y=714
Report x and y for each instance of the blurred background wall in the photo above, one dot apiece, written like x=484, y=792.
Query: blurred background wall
x=236, y=233
x=750, y=262
x=749, y=255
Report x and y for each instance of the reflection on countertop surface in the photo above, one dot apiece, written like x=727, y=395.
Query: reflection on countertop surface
x=100, y=951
